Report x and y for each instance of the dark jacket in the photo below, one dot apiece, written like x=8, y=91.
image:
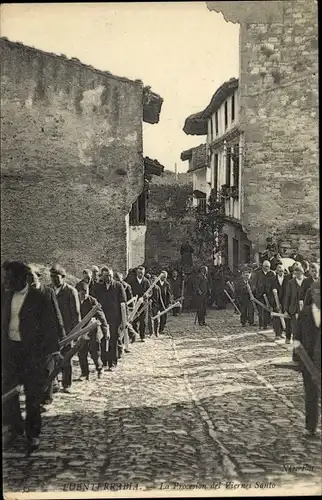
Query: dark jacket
x=91, y=285
x=201, y=286
x=128, y=290
x=310, y=335
x=110, y=300
x=260, y=282
x=85, y=307
x=175, y=286
x=281, y=292
x=69, y=307
x=295, y=293
x=41, y=325
x=156, y=300
x=165, y=293
x=308, y=296
x=138, y=289
x=241, y=291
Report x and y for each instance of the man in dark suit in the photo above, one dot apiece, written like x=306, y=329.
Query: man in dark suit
x=111, y=294
x=93, y=344
x=33, y=280
x=165, y=290
x=279, y=283
x=87, y=278
x=260, y=285
x=31, y=328
x=128, y=290
x=201, y=288
x=294, y=297
x=243, y=299
x=309, y=334
x=68, y=302
x=140, y=285
x=175, y=288
x=155, y=305
x=314, y=276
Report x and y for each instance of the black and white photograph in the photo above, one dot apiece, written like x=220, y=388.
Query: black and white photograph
x=160, y=249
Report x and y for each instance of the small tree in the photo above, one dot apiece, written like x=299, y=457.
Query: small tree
x=210, y=221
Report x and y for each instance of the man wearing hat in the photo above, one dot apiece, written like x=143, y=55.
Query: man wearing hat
x=294, y=297
x=243, y=299
x=278, y=284
x=309, y=334
x=68, y=302
x=260, y=285
x=93, y=344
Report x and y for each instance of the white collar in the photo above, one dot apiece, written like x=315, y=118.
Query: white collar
x=139, y=279
x=316, y=312
x=299, y=282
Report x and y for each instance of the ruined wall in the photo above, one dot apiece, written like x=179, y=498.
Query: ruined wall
x=168, y=219
x=71, y=159
x=278, y=88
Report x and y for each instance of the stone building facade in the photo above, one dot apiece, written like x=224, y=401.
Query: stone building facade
x=72, y=159
x=278, y=92
x=169, y=219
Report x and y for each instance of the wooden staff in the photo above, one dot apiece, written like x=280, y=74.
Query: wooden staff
x=231, y=286
x=232, y=301
x=132, y=300
x=176, y=304
x=141, y=311
x=11, y=393
x=251, y=296
x=279, y=309
x=267, y=302
x=77, y=334
x=82, y=323
x=141, y=300
x=301, y=303
x=125, y=322
x=308, y=363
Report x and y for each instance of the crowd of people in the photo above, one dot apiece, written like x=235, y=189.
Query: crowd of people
x=36, y=318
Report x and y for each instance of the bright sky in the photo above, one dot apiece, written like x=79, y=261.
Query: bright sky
x=180, y=49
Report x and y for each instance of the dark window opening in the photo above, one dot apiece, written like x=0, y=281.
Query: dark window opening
x=228, y=166
x=216, y=123
x=235, y=254
x=216, y=173
x=247, y=254
x=138, y=211
x=232, y=108
x=224, y=249
x=236, y=167
x=202, y=204
x=226, y=114
x=211, y=130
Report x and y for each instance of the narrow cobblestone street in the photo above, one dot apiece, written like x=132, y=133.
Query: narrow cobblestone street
x=195, y=406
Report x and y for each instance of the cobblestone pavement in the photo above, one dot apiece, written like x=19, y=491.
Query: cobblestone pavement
x=194, y=406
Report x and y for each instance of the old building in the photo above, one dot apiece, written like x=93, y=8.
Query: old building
x=199, y=167
x=73, y=170
x=219, y=122
x=278, y=102
x=169, y=219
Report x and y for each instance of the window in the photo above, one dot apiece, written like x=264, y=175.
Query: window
x=228, y=166
x=226, y=114
x=236, y=166
x=216, y=123
x=233, y=107
x=216, y=173
x=235, y=254
x=211, y=130
x=138, y=211
x=202, y=204
x=246, y=254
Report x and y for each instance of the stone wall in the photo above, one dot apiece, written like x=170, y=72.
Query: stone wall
x=278, y=87
x=72, y=160
x=168, y=221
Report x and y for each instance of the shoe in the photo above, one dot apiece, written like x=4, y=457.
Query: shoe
x=83, y=377
x=43, y=409
x=287, y=341
x=32, y=445
x=127, y=351
x=10, y=437
x=66, y=390
x=56, y=388
x=99, y=373
x=260, y=328
x=142, y=340
x=48, y=401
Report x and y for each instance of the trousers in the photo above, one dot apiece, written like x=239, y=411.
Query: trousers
x=202, y=309
x=247, y=312
x=67, y=369
x=92, y=347
x=115, y=344
x=163, y=322
x=311, y=402
x=263, y=315
x=141, y=321
x=29, y=370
